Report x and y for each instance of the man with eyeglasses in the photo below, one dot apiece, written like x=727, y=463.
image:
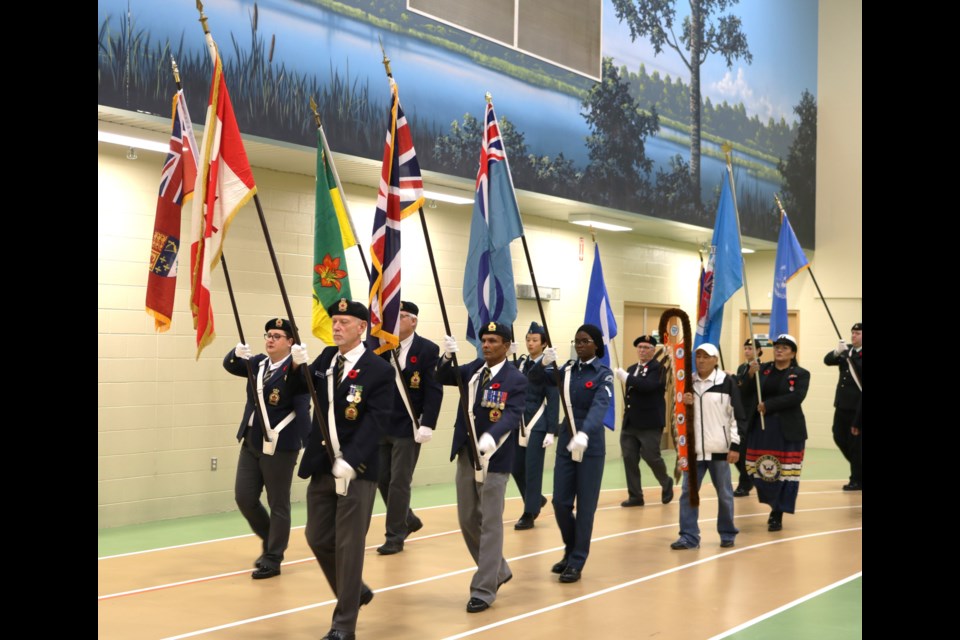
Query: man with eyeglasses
x=416, y=360
x=278, y=406
x=643, y=420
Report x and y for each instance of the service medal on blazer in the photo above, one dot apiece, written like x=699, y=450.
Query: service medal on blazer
x=274, y=398
x=354, y=394
x=415, y=380
x=495, y=415
x=350, y=413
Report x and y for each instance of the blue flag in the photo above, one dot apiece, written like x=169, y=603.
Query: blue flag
x=488, y=290
x=790, y=261
x=724, y=271
x=600, y=314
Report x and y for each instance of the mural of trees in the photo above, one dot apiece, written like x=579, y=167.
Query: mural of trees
x=799, y=170
x=701, y=34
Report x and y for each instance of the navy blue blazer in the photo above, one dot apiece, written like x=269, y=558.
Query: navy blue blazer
x=537, y=390
x=591, y=392
x=359, y=437
x=783, y=393
x=283, y=392
x=424, y=391
x=509, y=381
x=645, y=406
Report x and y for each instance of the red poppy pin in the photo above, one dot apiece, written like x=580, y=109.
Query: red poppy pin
x=353, y=373
x=495, y=385
x=413, y=359
x=766, y=372
x=589, y=384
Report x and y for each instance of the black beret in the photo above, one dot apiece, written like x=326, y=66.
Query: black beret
x=857, y=327
x=279, y=323
x=497, y=328
x=648, y=339
x=344, y=307
x=409, y=307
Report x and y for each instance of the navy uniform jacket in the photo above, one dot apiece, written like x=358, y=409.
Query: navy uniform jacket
x=749, y=408
x=848, y=393
x=423, y=389
x=537, y=390
x=508, y=380
x=359, y=438
x=645, y=405
x=591, y=392
x=289, y=393
x=783, y=392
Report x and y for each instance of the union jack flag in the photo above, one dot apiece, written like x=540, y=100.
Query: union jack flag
x=400, y=194
x=488, y=290
x=176, y=187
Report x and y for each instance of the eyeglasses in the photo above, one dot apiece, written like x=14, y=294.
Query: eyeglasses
x=274, y=336
x=583, y=341
x=645, y=346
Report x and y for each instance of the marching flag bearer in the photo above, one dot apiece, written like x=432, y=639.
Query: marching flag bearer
x=496, y=397
x=267, y=463
x=354, y=388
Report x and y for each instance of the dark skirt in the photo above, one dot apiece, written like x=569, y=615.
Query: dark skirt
x=774, y=464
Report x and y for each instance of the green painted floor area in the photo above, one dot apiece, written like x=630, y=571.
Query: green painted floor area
x=819, y=464
x=834, y=615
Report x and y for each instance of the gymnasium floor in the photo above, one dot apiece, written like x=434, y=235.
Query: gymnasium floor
x=190, y=577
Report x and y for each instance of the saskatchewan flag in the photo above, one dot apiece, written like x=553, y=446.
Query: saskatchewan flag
x=332, y=235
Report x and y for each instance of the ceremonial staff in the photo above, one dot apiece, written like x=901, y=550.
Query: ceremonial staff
x=684, y=412
x=318, y=415
x=461, y=385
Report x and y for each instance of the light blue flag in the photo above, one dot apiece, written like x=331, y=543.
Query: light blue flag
x=790, y=261
x=488, y=290
x=724, y=271
x=600, y=314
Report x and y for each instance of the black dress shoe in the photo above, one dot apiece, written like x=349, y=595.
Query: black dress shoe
x=632, y=502
x=853, y=486
x=560, y=567
x=337, y=634
x=390, y=548
x=415, y=525
x=775, y=521
x=666, y=494
x=366, y=597
x=256, y=563
x=525, y=522
x=262, y=573
x=741, y=492
x=726, y=544
x=476, y=605
x=570, y=574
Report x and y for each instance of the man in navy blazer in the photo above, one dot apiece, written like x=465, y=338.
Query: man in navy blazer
x=400, y=444
x=285, y=408
x=354, y=389
x=496, y=393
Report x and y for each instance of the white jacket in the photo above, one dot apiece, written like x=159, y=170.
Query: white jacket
x=717, y=412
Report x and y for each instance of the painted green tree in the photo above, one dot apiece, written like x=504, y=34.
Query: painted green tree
x=618, y=169
x=799, y=171
x=702, y=33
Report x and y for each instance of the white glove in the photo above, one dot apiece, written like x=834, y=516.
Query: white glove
x=486, y=444
x=548, y=440
x=424, y=434
x=299, y=354
x=342, y=469
x=449, y=346
x=841, y=348
x=549, y=356
x=578, y=443
x=513, y=349
x=621, y=374
x=242, y=351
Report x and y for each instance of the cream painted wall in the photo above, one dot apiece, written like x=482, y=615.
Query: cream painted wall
x=161, y=415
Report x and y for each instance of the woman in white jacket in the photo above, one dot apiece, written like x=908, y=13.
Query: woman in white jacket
x=716, y=415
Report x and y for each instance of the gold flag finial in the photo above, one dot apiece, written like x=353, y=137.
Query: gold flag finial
x=176, y=70
x=386, y=60
x=728, y=152
x=488, y=96
x=316, y=114
x=203, y=18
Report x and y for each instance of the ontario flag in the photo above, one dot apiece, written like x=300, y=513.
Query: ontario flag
x=400, y=194
x=176, y=187
x=332, y=235
x=488, y=290
x=224, y=184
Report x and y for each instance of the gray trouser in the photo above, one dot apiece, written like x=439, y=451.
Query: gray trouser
x=398, y=459
x=255, y=472
x=480, y=511
x=642, y=444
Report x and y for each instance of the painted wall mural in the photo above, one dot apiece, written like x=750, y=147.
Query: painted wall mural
x=630, y=141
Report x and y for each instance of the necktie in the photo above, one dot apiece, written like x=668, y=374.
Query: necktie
x=486, y=377
x=340, y=361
